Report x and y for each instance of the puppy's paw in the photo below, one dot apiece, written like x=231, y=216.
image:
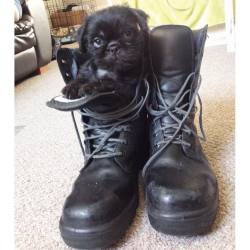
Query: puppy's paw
x=70, y=91
x=86, y=90
x=75, y=90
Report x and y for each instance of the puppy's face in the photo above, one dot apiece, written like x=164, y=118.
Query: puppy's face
x=115, y=38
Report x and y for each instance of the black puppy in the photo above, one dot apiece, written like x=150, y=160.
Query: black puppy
x=114, y=43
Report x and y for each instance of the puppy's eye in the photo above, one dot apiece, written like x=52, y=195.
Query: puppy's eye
x=97, y=42
x=128, y=34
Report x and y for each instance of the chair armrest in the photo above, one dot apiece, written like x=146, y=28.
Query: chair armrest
x=42, y=31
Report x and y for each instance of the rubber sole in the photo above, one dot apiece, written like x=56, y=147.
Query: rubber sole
x=101, y=236
x=185, y=224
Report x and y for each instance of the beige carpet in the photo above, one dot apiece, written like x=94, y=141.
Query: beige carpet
x=48, y=160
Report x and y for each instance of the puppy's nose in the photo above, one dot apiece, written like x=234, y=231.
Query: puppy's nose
x=113, y=47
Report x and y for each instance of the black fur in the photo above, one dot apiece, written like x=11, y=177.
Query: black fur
x=115, y=41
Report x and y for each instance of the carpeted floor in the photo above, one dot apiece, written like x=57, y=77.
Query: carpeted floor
x=48, y=160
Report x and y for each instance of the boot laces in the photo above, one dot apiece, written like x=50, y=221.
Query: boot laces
x=179, y=112
x=103, y=137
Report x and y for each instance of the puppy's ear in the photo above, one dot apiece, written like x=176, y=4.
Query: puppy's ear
x=81, y=36
x=142, y=18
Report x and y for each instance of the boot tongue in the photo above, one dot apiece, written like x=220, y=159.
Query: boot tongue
x=173, y=56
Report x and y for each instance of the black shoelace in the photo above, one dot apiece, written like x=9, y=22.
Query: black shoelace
x=179, y=113
x=102, y=137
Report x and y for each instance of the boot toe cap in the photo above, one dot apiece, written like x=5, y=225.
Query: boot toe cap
x=176, y=191
x=85, y=207
x=90, y=213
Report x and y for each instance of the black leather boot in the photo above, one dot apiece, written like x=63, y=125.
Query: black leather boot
x=104, y=197
x=181, y=189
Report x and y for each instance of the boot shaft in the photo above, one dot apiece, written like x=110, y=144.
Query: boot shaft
x=172, y=51
x=176, y=53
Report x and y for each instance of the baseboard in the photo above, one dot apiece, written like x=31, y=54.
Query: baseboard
x=216, y=35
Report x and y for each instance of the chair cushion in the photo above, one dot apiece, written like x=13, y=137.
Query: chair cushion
x=24, y=34
x=23, y=25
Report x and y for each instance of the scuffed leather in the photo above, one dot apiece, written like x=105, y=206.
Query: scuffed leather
x=175, y=182
x=100, y=193
x=180, y=180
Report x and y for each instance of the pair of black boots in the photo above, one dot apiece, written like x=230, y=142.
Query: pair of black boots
x=155, y=133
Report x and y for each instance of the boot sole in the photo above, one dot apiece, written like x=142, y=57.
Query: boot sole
x=184, y=224
x=101, y=236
